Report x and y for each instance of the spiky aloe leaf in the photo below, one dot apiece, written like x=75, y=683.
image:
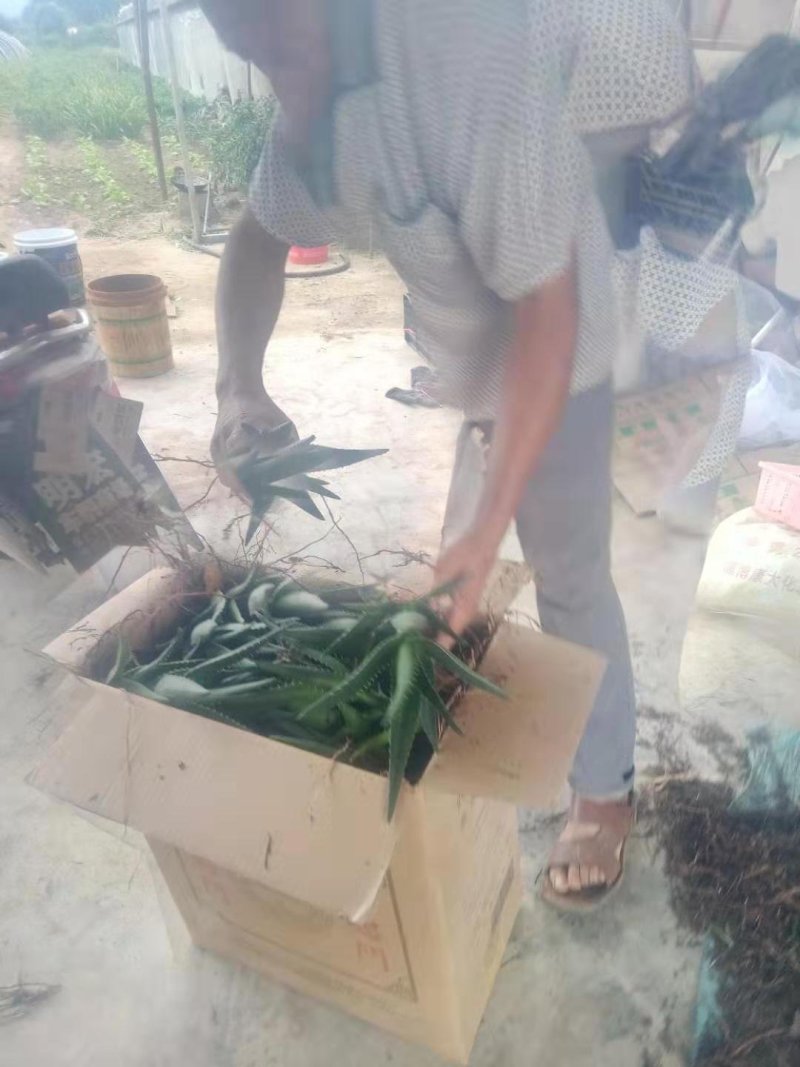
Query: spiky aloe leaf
x=429, y=722
x=243, y=586
x=409, y=621
x=402, y=716
x=299, y=497
x=258, y=598
x=311, y=485
x=208, y=669
x=302, y=457
x=457, y=667
x=201, y=632
x=300, y=605
x=121, y=660
x=372, y=744
x=178, y=689
x=358, y=679
x=282, y=474
x=434, y=698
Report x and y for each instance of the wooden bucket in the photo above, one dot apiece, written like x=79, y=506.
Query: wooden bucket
x=130, y=312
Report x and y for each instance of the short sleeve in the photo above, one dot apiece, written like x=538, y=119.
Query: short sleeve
x=632, y=67
x=524, y=181
x=280, y=200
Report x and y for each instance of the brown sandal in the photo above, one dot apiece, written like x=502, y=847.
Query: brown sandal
x=615, y=822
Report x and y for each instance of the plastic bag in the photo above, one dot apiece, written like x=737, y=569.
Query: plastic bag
x=752, y=568
x=772, y=410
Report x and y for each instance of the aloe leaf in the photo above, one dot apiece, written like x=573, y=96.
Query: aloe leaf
x=310, y=485
x=304, y=457
x=429, y=721
x=257, y=512
x=372, y=744
x=207, y=669
x=357, y=680
x=351, y=642
x=402, y=717
x=355, y=596
x=243, y=586
x=324, y=659
x=227, y=694
x=296, y=672
x=299, y=497
x=179, y=688
x=163, y=657
x=299, y=604
x=436, y=701
x=455, y=666
x=409, y=621
x=258, y=598
x=357, y=725
x=121, y=660
x=201, y=633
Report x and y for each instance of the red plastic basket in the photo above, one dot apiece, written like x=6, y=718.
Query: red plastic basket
x=779, y=493
x=308, y=257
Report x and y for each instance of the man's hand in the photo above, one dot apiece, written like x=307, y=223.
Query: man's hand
x=469, y=559
x=244, y=425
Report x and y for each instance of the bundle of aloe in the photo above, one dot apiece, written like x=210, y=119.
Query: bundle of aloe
x=346, y=673
x=286, y=475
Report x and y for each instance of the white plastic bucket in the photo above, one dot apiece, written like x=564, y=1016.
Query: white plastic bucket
x=58, y=247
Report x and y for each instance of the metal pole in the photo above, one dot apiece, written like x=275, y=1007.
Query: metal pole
x=180, y=123
x=143, y=30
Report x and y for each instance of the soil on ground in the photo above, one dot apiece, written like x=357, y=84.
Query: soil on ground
x=737, y=878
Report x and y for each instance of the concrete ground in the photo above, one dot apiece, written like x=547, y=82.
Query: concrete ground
x=78, y=907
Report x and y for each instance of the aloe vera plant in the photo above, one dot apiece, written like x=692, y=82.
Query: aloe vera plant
x=345, y=672
x=286, y=475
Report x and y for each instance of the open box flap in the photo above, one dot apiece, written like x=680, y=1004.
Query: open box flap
x=520, y=749
x=142, y=612
x=300, y=824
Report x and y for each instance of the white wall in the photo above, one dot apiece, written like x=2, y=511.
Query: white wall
x=746, y=23
x=205, y=68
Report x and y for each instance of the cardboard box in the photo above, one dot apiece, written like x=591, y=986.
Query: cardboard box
x=284, y=861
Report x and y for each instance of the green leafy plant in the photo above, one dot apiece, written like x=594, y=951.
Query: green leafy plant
x=344, y=673
x=174, y=152
x=233, y=134
x=38, y=175
x=143, y=155
x=98, y=172
x=94, y=92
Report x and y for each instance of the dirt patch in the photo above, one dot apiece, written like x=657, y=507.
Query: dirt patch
x=738, y=877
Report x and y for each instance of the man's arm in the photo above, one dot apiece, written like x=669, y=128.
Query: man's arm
x=249, y=298
x=535, y=390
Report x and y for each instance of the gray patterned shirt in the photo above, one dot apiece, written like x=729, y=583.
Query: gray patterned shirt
x=465, y=153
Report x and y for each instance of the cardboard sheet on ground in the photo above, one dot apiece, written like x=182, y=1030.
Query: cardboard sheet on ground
x=658, y=433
